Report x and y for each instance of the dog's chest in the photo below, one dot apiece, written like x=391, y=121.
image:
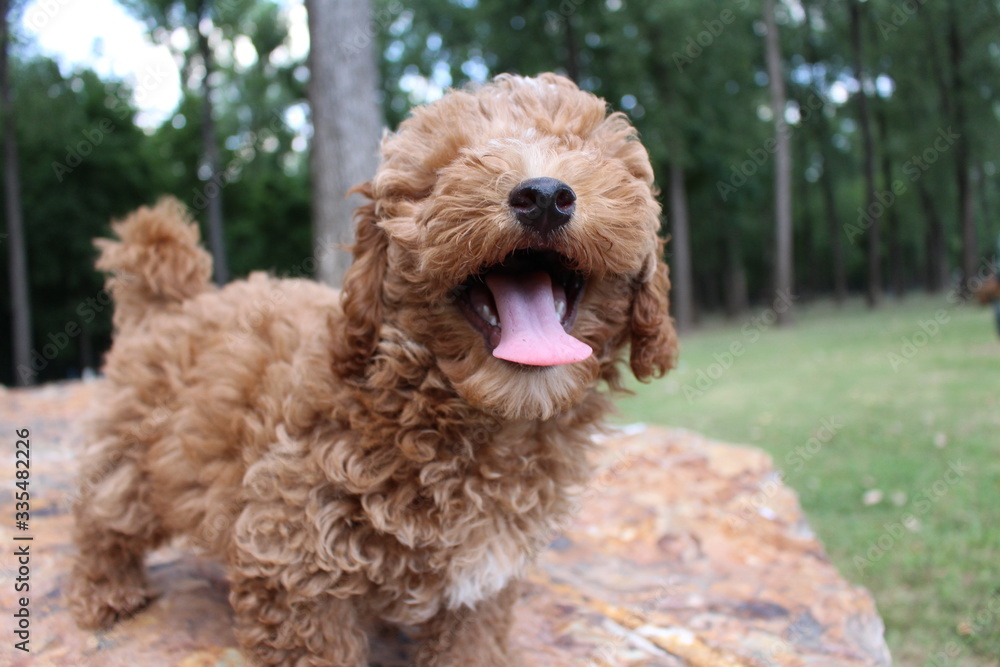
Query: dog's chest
x=482, y=571
x=454, y=532
x=468, y=544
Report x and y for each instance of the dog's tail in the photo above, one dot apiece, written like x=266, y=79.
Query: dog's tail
x=156, y=262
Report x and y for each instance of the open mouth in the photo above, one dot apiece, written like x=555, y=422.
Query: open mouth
x=525, y=307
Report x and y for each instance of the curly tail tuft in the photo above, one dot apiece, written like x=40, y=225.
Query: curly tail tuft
x=157, y=261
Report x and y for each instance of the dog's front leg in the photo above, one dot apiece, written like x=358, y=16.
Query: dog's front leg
x=275, y=626
x=464, y=637
x=289, y=611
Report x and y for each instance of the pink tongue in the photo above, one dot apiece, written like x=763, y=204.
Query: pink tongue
x=530, y=331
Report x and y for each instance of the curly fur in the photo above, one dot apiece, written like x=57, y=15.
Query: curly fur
x=363, y=454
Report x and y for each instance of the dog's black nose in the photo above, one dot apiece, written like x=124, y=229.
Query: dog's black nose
x=543, y=204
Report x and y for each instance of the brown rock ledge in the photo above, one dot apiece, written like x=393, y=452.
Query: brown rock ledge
x=685, y=552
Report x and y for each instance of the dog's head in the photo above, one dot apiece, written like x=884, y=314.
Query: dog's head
x=512, y=233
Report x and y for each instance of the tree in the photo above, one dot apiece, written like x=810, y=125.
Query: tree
x=16, y=255
x=935, y=242
x=922, y=104
x=782, y=162
x=210, y=148
x=90, y=164
x=346, y=122
x=259, y=115
x=896, y=277
x=198, y=18
x=682, y=279
x=680, y=243
x=874, y=231
x=963, y=163
x=693, y=104
x=821, y=135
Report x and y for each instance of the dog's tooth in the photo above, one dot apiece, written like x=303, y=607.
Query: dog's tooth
x=561, y=309
x=487, y=314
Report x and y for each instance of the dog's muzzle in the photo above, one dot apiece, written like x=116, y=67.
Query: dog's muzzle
x=543, y=204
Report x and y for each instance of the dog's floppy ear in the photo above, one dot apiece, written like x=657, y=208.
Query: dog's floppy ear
x=654, y=341
x=361, y=297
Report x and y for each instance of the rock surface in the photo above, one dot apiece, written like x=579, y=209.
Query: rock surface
x=685, y=552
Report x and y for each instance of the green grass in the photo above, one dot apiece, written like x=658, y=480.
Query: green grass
x=896, y=431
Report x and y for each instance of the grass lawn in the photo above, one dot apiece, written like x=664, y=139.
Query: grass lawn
x=894, y=449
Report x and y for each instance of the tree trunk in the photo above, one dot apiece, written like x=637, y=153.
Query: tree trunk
x=808, y=276
x=836, y=233
x=985, y=209
x=935, y=237
x=966, y=210
x=682, y=278
x=680, y=245
x=874, y=291
x=897, y=277
x=16, y=253
x=935, y=63
x=896, y=273
x=936, y=249
x=346, y=123
x=210, y=152
x=572, y=57
x=735, y=274
x=782, y=164
x=821, y=134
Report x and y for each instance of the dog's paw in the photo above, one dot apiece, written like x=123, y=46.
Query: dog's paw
x=99, y=605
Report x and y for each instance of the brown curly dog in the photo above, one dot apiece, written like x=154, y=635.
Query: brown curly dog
x=402, y=449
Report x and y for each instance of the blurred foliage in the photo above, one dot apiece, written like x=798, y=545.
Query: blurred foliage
x=86, y=162
x=689, y=73
x=83, y=162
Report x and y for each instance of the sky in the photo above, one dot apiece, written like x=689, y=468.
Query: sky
x=102, y=35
